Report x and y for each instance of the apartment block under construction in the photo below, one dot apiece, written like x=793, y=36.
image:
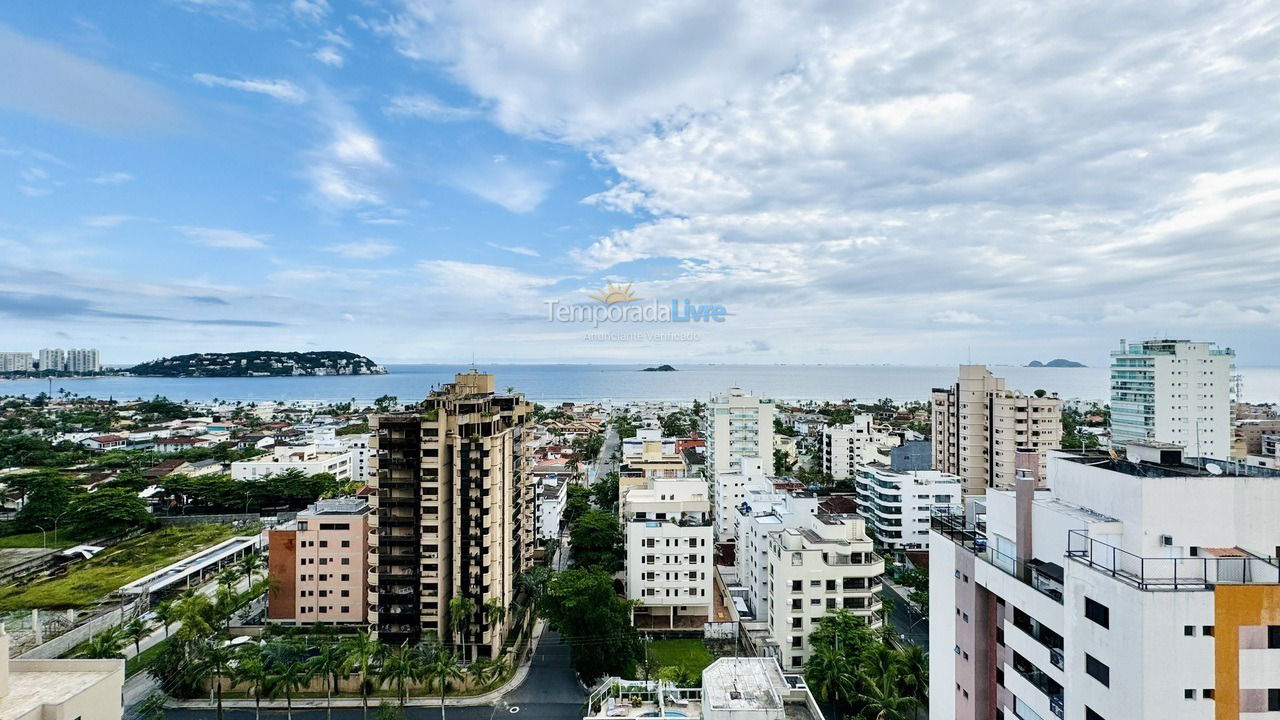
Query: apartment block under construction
x=453, y=516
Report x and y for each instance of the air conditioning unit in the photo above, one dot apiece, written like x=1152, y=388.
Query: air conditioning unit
x=1166, y=540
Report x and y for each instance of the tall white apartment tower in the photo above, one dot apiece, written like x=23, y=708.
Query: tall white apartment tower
x=739, y=449
x=82, y=360
x=1174, y=391
x=52, y=359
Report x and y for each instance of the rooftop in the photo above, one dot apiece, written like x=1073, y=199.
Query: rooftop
x=1189, y=467
x=337, y=506
x=32, y=689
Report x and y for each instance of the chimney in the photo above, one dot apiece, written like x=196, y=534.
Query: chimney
x=1024, y=489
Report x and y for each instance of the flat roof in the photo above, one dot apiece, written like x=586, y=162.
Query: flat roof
x=190, y=565
x=30, y=690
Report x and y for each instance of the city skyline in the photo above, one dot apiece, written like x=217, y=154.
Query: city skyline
x=420, y=183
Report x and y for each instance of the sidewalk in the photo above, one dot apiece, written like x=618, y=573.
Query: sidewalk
x=490, y=697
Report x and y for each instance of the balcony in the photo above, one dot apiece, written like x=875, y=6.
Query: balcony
x=1044, y=577
x=1156, y=573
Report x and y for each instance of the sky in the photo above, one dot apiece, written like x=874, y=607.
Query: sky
x=850, y=182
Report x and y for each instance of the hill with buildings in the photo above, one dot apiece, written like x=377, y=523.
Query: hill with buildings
x=259, y=363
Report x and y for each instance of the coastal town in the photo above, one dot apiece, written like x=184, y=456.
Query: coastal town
x=642, y=557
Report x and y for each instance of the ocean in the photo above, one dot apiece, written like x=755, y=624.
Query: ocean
x=549, y=384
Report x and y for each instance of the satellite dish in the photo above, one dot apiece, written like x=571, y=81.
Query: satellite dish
x=1213, y=468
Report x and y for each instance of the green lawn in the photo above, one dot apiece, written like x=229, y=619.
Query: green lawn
x=32, y=540
x=90, y=581
x=691, y=655
x=139, y=662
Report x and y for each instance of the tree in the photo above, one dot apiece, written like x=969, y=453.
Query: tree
x=829, y=671
x=287, y=677
x=444, y=669
x=494, y=611
x=152, y=708
x=597, y=541
x=782, y=462
x=216, y=659
x=135, y=630
x=48, y=498
x=106, y=512
x=328, y=663
x=399, y=666
x=914, y=664
x=164, y=613
x=252, y=667
x=495, y=669
x=534, y=581
x=360, y=651
x=882, y=699
x=249, y=564
x=596, y=624
x=604, y=492
x=461, y=610
x=578, y=502
x=104, y=645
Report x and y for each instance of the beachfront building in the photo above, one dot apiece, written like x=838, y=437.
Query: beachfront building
x=454, y=514
x=1141, y=587
x=16, y=362
x=897, y=505
x=59, y=689
x=669, y=546
x=1174, y=391
x=860, y=442
x=979, y=427
x=318, y=563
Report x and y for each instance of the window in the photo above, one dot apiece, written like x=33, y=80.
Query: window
x=1273, y=700
x=346, y=543
x=1097, y=612
x=346, y=593
x=1207, y=693
x=1188, y=630
x=1189, y=694
x=346, y=561
x=1097, y=670
x=1207, y=631
x=324, y=543
x=334, y=526
x=345, y=577
x=1273, y=636
x=346, y=608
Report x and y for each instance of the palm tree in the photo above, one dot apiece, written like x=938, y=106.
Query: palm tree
x=251, y=667
x=496, y=670
x=104, y=645
x=879, y=661
x=360, y=651
x=461, y=608
x=216, y=659
x=478, y=670
x=914, y=662
x=882, y=699
x=444, y=668
x=249, y=564
x=830, y=672
x=152, y=708
x=494, y=610
x=329, y=663
x=195, y=612
x=135, y=630
x=165, y=613
x=398, y=667
x=287, y=677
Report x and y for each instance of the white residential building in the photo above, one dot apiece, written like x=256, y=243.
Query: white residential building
x=729, y=491
x=897, y=504
x=765, y=511
x=1174, y=391
x=305, y=458
x=860, y=442
x=553, y=495
x=813, y=570
x=52, y=359
x=59, y=689
x=739, y=426
x=16, y=362
x=635, y=444
x=83, y=360
x=1142, y=588
x=327, y=440
x=669, y=545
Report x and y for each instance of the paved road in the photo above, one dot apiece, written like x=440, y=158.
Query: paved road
x=604, y=463
x=906, y=621
x=549, y=692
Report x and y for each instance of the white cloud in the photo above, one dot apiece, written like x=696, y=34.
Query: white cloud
x=956, y=317
x=427, y=107
x=329, y=55
x=363, y=249
x=222, y=238
x=281, y=90
x=56, y=85
x=111, y=178
x=513, y=187
x=517, y=249
x=312, y=10
x=346, y=170
x=107, y=221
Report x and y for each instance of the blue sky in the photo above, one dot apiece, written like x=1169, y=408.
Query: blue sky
x=415, y=180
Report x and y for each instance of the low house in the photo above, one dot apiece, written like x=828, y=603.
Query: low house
x=103, y=443
x=178, y=444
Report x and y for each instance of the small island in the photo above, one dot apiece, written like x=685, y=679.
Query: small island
x=660, y=368
x=259, y=363
x=1057, y=363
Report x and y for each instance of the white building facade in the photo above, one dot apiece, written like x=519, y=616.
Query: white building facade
x=1174, y=391
x=1136, y=590
x=669, y=543
x=304, y=458
x=860, y=442
x=16, y=362
x=897, y=505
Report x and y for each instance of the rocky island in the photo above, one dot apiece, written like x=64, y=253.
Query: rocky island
x=660, y=368
x=259, y=363
x=1056, y=363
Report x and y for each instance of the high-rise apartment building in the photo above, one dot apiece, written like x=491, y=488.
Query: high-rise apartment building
x=454, y=515
x=16, y=362
x=74, y=360
x=860, y=442
x=319, y=564
x=1144, y=588
x=897, y=505
x=739, y=449
x=1174, y=391
x=979, y=427
x=670, y=574
x=52, y=359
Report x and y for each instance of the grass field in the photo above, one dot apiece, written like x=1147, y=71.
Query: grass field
x=94, y=579
x=32, y=540
x=691, y=655
x=139, y=662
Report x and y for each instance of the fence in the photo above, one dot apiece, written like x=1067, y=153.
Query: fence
x=229, y=519
x=62, y=644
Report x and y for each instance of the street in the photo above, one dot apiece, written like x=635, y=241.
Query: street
x=549, y=692
x=906, y=621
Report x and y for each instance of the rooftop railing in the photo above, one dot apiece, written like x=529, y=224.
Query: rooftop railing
x=1162, y=573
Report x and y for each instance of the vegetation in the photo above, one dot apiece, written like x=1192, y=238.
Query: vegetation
x=105, y=513
x=681, y=423
x=577, y=503
x=259, y=362
x=626, y=425
x=685, y=659
x=1074, y=436
x=291, y=489
x=597, y=541
x=88, y=582
x=859, y=676
x=582, y=606
x=33, y=540
x=604, y=492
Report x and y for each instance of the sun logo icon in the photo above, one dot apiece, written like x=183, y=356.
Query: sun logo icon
x=612, y=294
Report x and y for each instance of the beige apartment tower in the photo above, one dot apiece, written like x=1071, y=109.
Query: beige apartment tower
x=979, y=428
x=453, y=515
